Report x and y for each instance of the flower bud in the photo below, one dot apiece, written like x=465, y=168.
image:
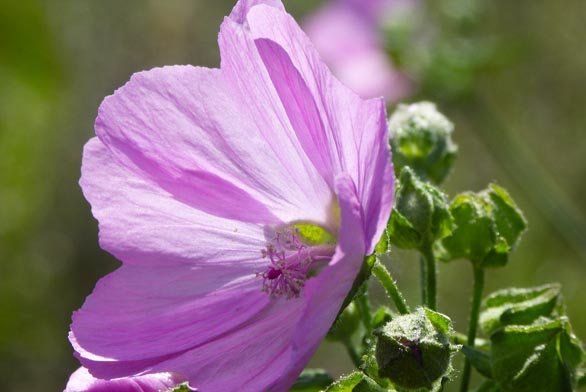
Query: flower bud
x=488, y=226
x=420, y=215
x=421, y=138
x=414, y=350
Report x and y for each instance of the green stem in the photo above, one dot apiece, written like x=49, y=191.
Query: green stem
x=363, y=305
x=384, y=276
x=354, y=356
x=473, y=323
x=423, y=279
x=431, y=277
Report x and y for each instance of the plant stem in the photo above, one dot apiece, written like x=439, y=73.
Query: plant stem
x=473, y=323
x=423, y=279
x=363, y=305
x=354, y=356
x=384, y=276
x=431, y=283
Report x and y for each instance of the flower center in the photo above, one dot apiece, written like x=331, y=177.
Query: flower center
x=294, y=255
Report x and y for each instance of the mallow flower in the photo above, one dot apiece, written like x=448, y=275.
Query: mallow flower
x=349, y=36
x=82, y=381
x=241, y=202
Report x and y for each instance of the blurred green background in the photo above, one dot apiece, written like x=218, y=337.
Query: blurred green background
x=520, y=114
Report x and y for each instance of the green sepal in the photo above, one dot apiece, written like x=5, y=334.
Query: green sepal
x=520, y=306
x=382, y=316
x=540, y=357
x=479, y=359
x=421, y=139
x=488, y=226
x=312, y=380
x=356, y=382
x=420, y=215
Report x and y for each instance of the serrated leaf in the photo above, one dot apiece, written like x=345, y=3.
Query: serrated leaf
x=520, y=306
x=312, y=380
x=479, y=359
x=541, y=357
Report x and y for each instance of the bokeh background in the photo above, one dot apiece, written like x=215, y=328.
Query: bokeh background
x=510, y=74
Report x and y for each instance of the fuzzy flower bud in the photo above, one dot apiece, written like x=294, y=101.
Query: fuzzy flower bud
x=420, y=215
x=421, y=138
x=414, y=350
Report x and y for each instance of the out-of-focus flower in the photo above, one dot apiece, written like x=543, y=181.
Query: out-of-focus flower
x=349, y=36
x=241, y=202
x=82, y=381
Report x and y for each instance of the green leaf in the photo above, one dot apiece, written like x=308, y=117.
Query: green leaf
x=540, y=357
x=479, y=359
x=312, y=380
x=520, y=306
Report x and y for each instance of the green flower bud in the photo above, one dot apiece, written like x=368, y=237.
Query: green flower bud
x=420, y=215
x=421, y=138
x=488, y=226
x=414, y=350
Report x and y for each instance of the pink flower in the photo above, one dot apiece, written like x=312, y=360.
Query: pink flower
x=82, y=381
x=348, y=35
x=199, y=179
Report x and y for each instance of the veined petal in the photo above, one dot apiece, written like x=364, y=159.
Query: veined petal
x=139, y=312
x=142, y=223
x=250, y=83
x=82, y=381
x=184, y=129
x=356, y=128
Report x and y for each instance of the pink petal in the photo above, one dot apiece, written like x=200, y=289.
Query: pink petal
x=327, y=291
x=183, y=128
x=140, y=312
x=356, y=128
x=142, y=223
x=82, y=381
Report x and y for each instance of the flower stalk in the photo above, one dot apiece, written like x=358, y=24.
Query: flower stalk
x=473, y=323
x=384, y=276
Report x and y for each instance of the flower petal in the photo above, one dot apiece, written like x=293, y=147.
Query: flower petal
x=139, y=312
x=184, y=129
x=356, y=128
x=142, y=223
x=82, y=381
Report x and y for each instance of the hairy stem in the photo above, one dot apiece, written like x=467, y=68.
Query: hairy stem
x=473, y=323
x=431, y=278
x=384, y=276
